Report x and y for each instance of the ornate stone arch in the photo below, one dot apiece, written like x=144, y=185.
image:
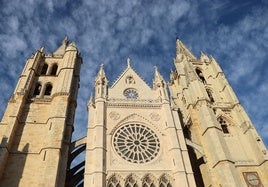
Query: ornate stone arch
x=131, y=180
x=165, y=180
x=149, y=180
x=135, y=118
x=114, y=180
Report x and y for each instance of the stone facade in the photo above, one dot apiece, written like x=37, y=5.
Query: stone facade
x=224, y=146
x=137, y=135
x=37, y=125
x=134, y=135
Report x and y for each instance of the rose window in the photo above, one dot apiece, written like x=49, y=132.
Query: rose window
x=136, y=143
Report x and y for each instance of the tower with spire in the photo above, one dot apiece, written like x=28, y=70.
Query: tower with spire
x=197, y=134
x=134, y=137
x=225, y=148
x=37, y=125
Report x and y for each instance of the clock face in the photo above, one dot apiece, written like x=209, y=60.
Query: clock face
x=252, y=178
x=131, y=94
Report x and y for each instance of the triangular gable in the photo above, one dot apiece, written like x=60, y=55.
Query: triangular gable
x=129, y=79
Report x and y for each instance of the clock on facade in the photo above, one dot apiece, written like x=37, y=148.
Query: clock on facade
x=252, y=179
x=131, y=93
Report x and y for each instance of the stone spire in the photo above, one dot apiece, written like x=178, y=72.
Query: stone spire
x=183, y=53
x=61, y=50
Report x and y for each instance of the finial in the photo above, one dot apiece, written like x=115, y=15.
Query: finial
x=65, y=40
x=91, y=101
x=128, y=62
x=157, y=74
x=42, y=49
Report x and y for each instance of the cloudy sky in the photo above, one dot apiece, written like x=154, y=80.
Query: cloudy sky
x=235, y=32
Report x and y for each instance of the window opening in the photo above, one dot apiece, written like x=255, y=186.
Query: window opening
x=37, y=89
x=148, y=181
x=131, y=182
x=200, y=75
x=44, y=69
x=114, y=182
x=54, y=69
x=136, y=143
x=164, y=182
x=223, y=126
x=48, y=89
x=210, y=96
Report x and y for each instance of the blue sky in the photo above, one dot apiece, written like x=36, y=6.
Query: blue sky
x=235, y=32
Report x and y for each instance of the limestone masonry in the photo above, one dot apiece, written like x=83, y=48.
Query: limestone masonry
x=137, y=136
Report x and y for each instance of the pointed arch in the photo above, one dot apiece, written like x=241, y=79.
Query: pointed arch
x=135, y=117
x=200, y=75
x=148, y=181
x=165, y=181
x=114, y=181
x=48, y=89
x=210, y=96
x=131, y=181
x=44, y=69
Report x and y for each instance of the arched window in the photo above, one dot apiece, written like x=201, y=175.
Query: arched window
x=54, y=69
x=200, y=75
x=131, y=182
x=48, y=89
x=224, y=126
x=37, y=89
x=113, y=182
x=44, y=69
x=210, y=96
x=164, y=181
x=148, y=181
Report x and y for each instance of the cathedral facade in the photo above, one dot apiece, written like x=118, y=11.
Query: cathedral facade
x=189, y=132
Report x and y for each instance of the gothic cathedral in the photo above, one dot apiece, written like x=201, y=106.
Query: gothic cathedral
x=189, y=132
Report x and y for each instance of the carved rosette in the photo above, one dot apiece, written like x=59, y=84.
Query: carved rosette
x=114, y=115
x=155, y=117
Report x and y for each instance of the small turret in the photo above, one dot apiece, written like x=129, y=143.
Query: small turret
x=160, y=84
x=101, y=84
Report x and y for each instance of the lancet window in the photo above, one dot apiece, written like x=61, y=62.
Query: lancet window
x=200, y=75
x=164, y=181
x=148, y=181
x=48, y=89
x=223, y=125
x=54, y=69
x=131, y=182
x=114, y=182
x=210, y=96
x=37, y=89
x=44, y=69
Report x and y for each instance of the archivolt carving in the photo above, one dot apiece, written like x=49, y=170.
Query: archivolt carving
x=134, y=118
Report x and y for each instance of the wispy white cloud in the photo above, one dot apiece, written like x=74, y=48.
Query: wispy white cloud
x=110, y=31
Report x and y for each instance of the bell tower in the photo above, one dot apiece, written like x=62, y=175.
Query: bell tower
x=134, y=136
x=37, y=125
x=224, y=146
